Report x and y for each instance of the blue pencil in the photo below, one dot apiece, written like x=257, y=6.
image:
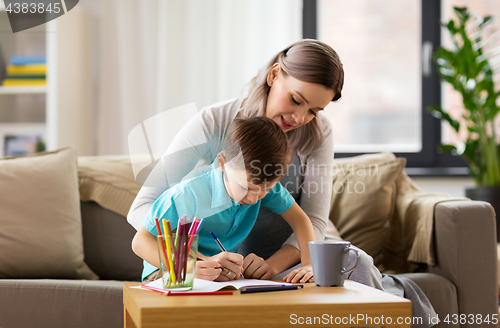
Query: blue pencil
x=222, y=248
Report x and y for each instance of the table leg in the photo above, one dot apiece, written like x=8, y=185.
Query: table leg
x=127, y=319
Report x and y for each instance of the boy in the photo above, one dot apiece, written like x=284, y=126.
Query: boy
x=228, y=197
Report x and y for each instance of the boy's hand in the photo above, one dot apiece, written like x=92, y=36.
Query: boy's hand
x=302, y=274
x=254, y=267
x=207, y=270
x=231, y=264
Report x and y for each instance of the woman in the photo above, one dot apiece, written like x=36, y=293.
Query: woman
x=292, y=89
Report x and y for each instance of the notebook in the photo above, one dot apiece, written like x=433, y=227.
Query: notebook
x=206, y=286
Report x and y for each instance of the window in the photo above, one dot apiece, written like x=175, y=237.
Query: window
x=386, y=47
x=379, y=45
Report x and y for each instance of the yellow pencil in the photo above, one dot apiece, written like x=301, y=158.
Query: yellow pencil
x=169, y=252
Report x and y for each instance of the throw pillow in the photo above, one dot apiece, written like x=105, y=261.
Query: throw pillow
x=41, y=234
x=109, y=181
x=363, y=199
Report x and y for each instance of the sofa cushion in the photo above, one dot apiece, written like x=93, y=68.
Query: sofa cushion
x=107, y=237
x=61, y=303
x=40, y=217
x=364, y=199
x=109, y=181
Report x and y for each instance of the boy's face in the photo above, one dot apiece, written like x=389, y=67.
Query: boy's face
x=240, y=187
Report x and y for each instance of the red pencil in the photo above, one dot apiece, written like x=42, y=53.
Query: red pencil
x=159, y=290
x=199, y=293
x=158, y=226
x=164, y=291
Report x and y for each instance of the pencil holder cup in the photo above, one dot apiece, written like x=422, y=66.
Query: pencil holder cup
x=178, y=261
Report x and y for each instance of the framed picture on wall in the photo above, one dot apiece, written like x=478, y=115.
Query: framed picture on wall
x=21, y=139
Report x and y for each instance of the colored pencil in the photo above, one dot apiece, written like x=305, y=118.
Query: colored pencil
x=199, y=293
x=169, y=293
x=184, y=253
x=172, y=277
x=166, y=247
x=198, y=227
x=164, y=251
x=157, y=222
x=179, y=248
x=171, y=237
x=192, y=232
x=192, y=228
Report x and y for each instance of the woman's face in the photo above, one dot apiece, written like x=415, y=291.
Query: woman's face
x=291, y=102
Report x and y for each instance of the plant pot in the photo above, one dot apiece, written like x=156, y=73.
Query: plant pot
x=490, y=195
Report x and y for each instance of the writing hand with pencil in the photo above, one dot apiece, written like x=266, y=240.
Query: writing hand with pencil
x=228, y=265
x=228, y=272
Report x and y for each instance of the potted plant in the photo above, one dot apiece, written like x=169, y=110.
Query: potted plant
x=466, y=65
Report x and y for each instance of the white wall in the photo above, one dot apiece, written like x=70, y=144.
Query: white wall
x=75, y=95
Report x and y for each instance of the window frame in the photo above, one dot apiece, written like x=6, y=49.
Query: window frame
x=428, y=161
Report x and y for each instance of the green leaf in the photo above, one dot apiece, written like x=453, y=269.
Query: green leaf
x=451, y=27
x=471, y=129
x=462, y=13
x=441, y=114
x=447, y=149
x=487, y=20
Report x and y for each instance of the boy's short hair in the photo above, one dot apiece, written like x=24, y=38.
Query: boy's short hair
x=259, y=146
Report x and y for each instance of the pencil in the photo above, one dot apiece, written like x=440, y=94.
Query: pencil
x=184, y=254
x=168, y=264
x=223, y=248
x=199, y=226
x=193, y=230
x=158, y=226
x=164, y=251
x=247, y=290
x=218, y=242
x=171, y=238
x=181, y=220
x=178, y=247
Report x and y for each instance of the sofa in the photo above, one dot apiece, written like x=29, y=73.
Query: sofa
x=453, y=262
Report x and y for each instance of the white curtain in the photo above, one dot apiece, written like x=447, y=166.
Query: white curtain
x=154, y=55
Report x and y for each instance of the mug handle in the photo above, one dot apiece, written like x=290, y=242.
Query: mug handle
x=347, y=250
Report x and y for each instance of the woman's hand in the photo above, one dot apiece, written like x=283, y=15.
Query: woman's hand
x=230, y=263
x=254, y=267
x=302, y=274
x=207, y=270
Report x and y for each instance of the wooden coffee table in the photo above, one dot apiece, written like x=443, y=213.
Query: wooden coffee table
x=353, y=305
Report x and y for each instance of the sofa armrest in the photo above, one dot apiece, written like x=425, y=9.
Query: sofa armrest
x=466, y=254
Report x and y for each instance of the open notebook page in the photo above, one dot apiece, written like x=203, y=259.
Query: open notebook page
x=201, y=285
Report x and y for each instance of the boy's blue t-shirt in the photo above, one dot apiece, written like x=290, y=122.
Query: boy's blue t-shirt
x=205, y=196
